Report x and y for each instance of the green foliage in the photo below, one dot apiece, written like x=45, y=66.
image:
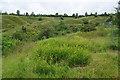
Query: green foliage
x=76, y=16
x=86, y=14
x=76, y=29
x=95, y=15
x=83, y=54
x=87, y=28
x=47, y=32
x=44, y=70
x=42, y=67
x=23, y=28
x=21, y=68
x=40, y=19
x=12, y=21
x=65, y=15
x=109, y=19
x=8, y=45
x=54, y=52
x=18, y=35
x=61, y=18
x=18, y=12
x=97, y=24
x=118, y=15
x=27, y=14
x=32, y=14
x=105, y=14
x=85, y=21
x=62, y=26
x=73, y=15
x=81, y=58
x=24, y=35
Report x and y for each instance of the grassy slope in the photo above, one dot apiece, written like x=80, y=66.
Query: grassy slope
x=102, y=65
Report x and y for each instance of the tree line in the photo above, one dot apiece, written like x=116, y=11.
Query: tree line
x=75, y=15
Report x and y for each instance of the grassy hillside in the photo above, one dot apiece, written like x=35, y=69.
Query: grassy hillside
x=49, y=47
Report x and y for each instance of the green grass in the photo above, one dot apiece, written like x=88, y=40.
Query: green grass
x=74, y=55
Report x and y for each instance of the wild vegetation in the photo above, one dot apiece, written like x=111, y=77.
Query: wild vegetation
x=59, y=47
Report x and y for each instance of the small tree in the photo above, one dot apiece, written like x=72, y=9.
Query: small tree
x=56, y=14
x=95, y=14
x=27, y=14
x=32, y=14
x=47, y=32
x=105, y=14
x=73, y=15
x=65, y=15
x=91, y=14
x=18, y=12
x=86, y=14
x=76, y=16
x=62, y=26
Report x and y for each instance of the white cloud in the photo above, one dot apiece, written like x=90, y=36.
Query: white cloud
x=60, y=6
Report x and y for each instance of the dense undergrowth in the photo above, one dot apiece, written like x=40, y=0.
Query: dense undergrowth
x=54, y=48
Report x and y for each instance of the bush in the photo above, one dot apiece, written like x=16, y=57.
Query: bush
x=40, y=19
x=79, y=59
x=47, y=32
x=62, y=26
x=23, y=28
x=56, y=51
x=18, y=35
x=76, y=29
x=97, y=24
x=42, y=67
x=87, y=28
x=52, y=55
x=62, y=18
x=85, y=22
x=95, y=15
x=114, y=46
x=8, y=44
x=44, y=70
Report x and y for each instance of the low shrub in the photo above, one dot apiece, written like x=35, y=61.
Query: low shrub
x=54, y=51
x=87, y=28
x=44, y=70
x=40, y=19
x=61, y=18
x=97, y=24
x=52, y=55
x=42, y=67
x=79, y=59
x=8, y=45
x=18, y=35
x=85, y=21
x=76, y=29
x=114, y=46
x=47, y=32
x=62, y=26
x=23, y=28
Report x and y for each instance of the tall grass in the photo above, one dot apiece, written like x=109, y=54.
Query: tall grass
x=76, y=55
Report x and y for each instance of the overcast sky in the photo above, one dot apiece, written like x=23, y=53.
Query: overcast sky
x=58, y=6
